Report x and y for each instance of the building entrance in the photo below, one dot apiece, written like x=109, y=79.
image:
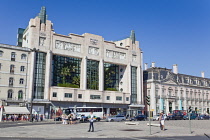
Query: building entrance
x=170, y=107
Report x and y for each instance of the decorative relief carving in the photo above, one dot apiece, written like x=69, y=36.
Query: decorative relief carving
x=93, y=50
x=42, y=41
x=115, y=54
x=61, y=45
x=93, y=41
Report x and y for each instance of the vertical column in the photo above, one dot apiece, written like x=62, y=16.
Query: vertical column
x=185, y=100
x=180, y=99
x=173, y=105
x=139, y=84
x=128, y=83
x=161, y=105
x=48, y=75
x=31, y=75
x=167, y=106
x=152, y=96
x=101, y=75
x=83, y=74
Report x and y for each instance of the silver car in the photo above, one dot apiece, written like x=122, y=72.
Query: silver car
x=116, y=118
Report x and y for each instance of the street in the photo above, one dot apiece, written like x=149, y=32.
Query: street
x=175, y=129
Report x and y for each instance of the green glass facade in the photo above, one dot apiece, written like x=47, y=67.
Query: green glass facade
x=66, y=71
x=133, y=84
x=92, y=74
x=111, y=76
x=39, y=80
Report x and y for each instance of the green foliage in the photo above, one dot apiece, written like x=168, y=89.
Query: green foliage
x=111, y=89
x=68, y=85
x=76, y=80
x=65, y=71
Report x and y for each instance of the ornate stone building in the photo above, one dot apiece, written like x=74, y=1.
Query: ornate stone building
x=170, y=90
x=81, y=70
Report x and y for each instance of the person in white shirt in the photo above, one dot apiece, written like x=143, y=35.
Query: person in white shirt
x=91, y=122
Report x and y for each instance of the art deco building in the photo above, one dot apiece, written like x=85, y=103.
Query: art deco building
x=170, y=90
x=72, y=70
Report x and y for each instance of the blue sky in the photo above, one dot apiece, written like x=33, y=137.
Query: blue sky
x=170, y=31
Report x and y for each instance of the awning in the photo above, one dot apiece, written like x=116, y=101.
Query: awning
x=15, y=110
x=137, y=106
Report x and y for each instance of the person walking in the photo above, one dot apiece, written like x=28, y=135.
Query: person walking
x=91, y=122
x=162, y=121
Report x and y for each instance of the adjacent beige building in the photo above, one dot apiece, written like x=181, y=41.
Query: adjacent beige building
x=170, y=90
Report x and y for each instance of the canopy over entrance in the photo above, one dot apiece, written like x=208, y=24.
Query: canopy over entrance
x=16, y=110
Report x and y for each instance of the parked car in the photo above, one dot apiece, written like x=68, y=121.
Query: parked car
x=203, y=117
x=193, y=116
x=116, y=118
x=58, y=119
x=139, y=118
x=156, y=117
x=82, y=118
x=175, y=117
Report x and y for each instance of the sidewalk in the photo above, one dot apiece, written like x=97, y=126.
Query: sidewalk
x=102, y=130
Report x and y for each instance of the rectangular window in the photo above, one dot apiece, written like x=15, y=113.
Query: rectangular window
x=119, y=98
x=95, y=96
x=61, y=66
x=107, y=97
x=1, y=53
x=22, y=68
x=133, y=84
x=127, y=98
x=13, y=56
x=68, y=95
x=79, y=96
x=12, y=68
x=92, y=74
x=0, y=66
x=11, y=81
x=111, y=77
x=39, y=75
x=21, y=80
x=54, y=94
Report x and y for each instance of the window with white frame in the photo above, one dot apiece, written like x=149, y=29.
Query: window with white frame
x=22, y=68
x=1, y=53
x=21, y=81
x=54, y=94
x=13, y=56
x=119, y=98
x=23, y=56
x=68, y=95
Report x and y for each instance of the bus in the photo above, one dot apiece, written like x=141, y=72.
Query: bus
x=97, y=111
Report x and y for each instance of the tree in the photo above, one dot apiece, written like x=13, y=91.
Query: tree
x=65, y=71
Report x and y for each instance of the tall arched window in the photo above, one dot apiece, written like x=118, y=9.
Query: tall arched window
x=9, y=95
x=20, y=94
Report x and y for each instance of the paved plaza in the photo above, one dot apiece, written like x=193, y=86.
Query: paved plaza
x=103, y=129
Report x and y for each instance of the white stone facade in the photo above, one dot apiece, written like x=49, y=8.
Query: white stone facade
x=41, y=44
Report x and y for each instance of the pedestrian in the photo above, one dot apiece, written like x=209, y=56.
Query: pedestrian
x=162, y=121
x=91, y=122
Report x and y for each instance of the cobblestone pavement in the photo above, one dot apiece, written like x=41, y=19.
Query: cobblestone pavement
x=107, y=130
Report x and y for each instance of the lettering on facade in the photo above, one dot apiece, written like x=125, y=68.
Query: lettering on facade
x=42, y=34
x=115, y=54
x=93, y=50
x=93, y=41
x=42, y=41
x=133, y=57
x=61, y=45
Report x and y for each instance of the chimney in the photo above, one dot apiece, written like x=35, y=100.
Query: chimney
x=175, y=68
x=145, y=66
x=153, y=64
x=202, y=74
